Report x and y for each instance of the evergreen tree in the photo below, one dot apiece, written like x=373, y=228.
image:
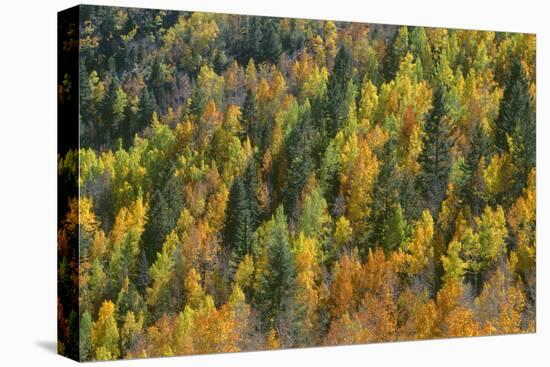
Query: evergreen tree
x=435, y=158
x=420, y=48
x=107, y=113
x=147, y=105
x=252, y=40
x=271, y=47
x=85, y=92
x=276, y=282
x=395, y=52
x=239, y=225
x=85, y=336
x=249, y=117
x=396, y=230
x=524, y=150
x=515, y=106
x=471, y=191
x=158, y=225
x=300, y=163
x=339, y=92
x=250, y=182
x=385, y=195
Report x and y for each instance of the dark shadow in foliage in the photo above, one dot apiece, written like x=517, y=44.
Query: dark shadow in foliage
x=242, y=216
x=435, y=157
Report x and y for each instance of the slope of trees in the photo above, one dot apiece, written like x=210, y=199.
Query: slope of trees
x=252, y=183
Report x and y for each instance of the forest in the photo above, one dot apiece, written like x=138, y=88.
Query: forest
x=251, y=183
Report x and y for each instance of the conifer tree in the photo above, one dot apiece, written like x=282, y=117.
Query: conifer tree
x=339, y=92
x=471, y=192
x=515, y=106
x=435, y=158
x=249, y=117
x=395, y=52
x=271, y=47
x=300, y=163
x=276, y=282
x=239, y=224
x=147, y=105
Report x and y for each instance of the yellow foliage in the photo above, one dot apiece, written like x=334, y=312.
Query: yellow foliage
x=342, y=233
x=272, y=341
x=420, y=251
x=360, y=168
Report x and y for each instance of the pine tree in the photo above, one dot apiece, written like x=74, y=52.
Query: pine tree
x=471, y=192
x=239, y=226
x=420, y=48
x=395, y=53
x=249, y=117
x=385, y=195
x=85, y=337
x=396, y=230
x=435, y=158
x=523, y=146
x=85, y=92
x=147, y=105
x=250, y=182
x=276, y=282
x=339, y=92
x=515, y=106
x=271, y=47
x=252, y=40
x=300, y=163
x=158, y=225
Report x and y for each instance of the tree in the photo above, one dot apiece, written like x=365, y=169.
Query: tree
x=105, y=334
x=435, y=158
x=85, y=336
x=396, y=230
x=300, y=163
x=270, y=44
x=522, y=218
x=305, y=328
x=419, y=258
x=344, y=291
x=249, y=117
x=240, y=222
x=385, y=198
x=343, y=232
x=454, y=266
x=523, y=149
x=420, y=48
x=360, y=168
x=340, y=91
x=314, y=218
x=482, y=248
x=147, y=105
x=161, y=274
x=515, y=106
x=472, y=190
x=130, y=332
x=395, y=52
x=277, y=276
x=501, y=303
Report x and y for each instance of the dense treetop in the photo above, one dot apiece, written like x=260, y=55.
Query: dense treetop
x=251, y=182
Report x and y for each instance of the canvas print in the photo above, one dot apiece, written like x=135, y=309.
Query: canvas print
x=238, y=183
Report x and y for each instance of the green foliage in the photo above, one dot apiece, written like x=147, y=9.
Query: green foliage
x=276, y=277
x=515, y=106
x=85, y=336
x=249, y=182
x=435, y=158
x=241, y=218
x=396, y=52
x=340, y=92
